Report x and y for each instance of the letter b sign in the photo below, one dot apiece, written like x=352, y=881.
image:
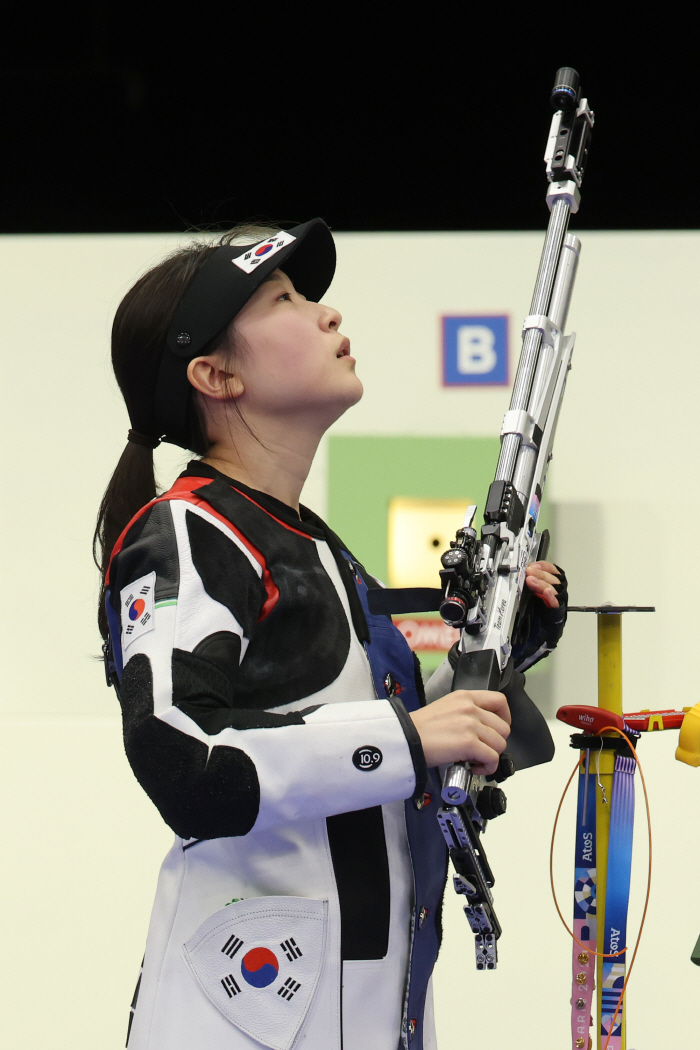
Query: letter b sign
x=475, y=351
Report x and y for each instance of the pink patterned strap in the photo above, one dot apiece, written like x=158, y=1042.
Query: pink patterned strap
x=583, y=986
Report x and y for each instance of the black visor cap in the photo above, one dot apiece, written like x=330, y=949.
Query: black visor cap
x=225, y=283
x=232, y=274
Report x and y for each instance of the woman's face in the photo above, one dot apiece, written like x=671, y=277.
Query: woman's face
x=294, y=358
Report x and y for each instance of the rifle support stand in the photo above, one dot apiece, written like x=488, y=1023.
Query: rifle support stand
x=609, y=698
x=607, y=768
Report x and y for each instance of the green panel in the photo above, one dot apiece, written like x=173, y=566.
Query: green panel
x=365, y=473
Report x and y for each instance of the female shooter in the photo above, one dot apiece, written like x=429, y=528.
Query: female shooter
x=278, y=726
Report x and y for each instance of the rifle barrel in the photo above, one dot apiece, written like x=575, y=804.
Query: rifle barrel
x=549, y=263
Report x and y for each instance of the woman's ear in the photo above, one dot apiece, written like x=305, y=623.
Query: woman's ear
x=208, y=377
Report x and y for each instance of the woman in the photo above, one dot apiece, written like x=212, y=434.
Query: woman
x=278, y=726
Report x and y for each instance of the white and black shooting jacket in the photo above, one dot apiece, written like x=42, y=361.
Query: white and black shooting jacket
x=265, y=714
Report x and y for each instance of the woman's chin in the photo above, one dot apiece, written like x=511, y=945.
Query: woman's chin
x=336, y=405
x=357, y=392
x=346, y=394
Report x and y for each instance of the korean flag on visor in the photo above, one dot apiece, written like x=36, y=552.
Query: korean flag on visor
x=263, y=252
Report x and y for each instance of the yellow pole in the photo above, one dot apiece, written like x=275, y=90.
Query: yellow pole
x=609, y=698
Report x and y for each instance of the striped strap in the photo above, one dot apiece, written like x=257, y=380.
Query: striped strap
x=617, y=899
x=585, y=928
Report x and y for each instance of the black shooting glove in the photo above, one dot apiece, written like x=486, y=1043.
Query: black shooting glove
x=537, y=628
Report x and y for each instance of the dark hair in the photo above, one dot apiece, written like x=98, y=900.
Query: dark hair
x=139, y=331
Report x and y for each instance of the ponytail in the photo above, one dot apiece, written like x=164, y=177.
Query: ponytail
x=131, y=487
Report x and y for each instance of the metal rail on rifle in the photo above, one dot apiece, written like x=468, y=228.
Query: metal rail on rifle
x=483, y=577
x=462, y=825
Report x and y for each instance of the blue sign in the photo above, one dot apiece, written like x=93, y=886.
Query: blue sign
x=475, y=351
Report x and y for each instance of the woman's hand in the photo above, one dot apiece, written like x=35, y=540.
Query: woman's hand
x=464, y=727
x=542, y=577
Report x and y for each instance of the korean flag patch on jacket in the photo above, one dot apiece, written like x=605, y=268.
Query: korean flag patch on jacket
x=259, y=961
x=137, y=602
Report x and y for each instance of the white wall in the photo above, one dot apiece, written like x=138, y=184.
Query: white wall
x=82, y=844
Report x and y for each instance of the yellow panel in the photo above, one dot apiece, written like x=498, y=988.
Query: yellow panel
x=419, y=531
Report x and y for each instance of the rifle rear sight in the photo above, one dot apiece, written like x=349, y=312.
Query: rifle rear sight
x=463, y=584
x=469, y=564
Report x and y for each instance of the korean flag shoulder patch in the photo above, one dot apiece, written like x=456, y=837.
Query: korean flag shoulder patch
x=137, y=608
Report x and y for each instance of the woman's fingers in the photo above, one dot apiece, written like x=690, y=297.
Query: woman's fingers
x=491, y=738
x=486, y=700
x=544, y=570
x=540, y=574
x=541, y=578
x=484, y=760
x=543, y=590
x=464, y=726
x=485, y=768
x=488, y=722
x=545, y=566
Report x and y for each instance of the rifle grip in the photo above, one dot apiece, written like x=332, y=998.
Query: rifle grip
x=530, y=742
x=477, y=670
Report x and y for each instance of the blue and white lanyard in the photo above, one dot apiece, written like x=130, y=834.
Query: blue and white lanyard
x=619, y=867
x=617, y=898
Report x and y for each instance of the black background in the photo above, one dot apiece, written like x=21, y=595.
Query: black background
x=377, y=117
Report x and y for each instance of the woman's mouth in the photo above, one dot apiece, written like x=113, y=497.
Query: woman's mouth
x=344, y=350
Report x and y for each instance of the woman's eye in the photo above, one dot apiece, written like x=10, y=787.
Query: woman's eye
x=287, y=296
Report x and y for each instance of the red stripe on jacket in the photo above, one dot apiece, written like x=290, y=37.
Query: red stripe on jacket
x=184, y=489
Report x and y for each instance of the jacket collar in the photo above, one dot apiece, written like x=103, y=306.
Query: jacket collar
x=221, y=491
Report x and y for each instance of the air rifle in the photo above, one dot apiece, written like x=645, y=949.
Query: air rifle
x=483, y=576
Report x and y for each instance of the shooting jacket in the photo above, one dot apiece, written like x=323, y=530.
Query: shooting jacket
x=265, y=714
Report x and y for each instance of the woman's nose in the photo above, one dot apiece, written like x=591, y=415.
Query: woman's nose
x=330, y=318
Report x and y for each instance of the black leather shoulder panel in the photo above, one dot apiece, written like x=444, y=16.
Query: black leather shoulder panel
x=150, y=545
x=303, y=644
x=199, y=794
x=225, y=571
